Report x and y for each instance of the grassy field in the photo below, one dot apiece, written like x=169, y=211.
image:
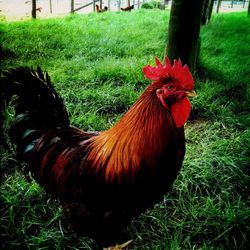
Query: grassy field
x=95, y=63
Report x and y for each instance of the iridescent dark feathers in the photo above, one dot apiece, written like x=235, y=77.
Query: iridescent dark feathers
x=37, y=106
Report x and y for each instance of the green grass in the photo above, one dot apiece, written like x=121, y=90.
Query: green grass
x=95, y=63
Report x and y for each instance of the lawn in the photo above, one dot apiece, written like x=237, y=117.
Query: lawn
x=95, y=63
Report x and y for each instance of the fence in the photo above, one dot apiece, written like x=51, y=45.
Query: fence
x=20, y=9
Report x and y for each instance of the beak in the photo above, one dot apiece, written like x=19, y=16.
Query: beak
x=191, y=93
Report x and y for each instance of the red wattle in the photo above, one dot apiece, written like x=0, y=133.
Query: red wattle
x=180, y=112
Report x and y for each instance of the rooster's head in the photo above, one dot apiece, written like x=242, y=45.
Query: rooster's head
x=172, y=85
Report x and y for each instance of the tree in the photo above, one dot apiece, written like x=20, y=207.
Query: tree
x=33, y=13
x=210, y=9
x=184, y=30
x=207, y=11
x=248, y=12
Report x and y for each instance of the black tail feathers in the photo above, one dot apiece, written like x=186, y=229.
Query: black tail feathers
x=38, y=107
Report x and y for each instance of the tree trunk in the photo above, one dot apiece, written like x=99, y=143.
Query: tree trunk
x=204, y=12
x=207, y=11
x=33, y=13
x=184, y=30
x=210, y=10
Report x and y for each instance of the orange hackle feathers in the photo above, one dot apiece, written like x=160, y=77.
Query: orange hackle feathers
x=135, y=140
x=143, y=132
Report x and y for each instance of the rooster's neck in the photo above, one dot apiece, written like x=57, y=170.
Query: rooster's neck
x=141, y=136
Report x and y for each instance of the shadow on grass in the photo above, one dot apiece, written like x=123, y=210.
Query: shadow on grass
x=220, y=95
x=4, y=53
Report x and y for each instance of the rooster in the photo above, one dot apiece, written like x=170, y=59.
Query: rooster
x=128, y=8
x=103, y=179
x=39, y=9
x=99, y=9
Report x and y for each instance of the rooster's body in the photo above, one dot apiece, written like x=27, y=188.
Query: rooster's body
x=128, y=8
x=99, y=9
x=102, y=179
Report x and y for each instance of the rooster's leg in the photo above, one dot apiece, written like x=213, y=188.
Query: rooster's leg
x=119, y=247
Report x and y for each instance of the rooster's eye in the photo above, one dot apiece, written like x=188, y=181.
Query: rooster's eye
x=170, y=87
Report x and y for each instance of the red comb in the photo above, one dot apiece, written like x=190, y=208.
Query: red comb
x=179, y=73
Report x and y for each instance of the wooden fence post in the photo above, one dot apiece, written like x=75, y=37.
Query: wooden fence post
x=109, y=5
x=72, y=6
x=33, y=13
x=243, y=3
x=218, y=6
x=50, y=6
